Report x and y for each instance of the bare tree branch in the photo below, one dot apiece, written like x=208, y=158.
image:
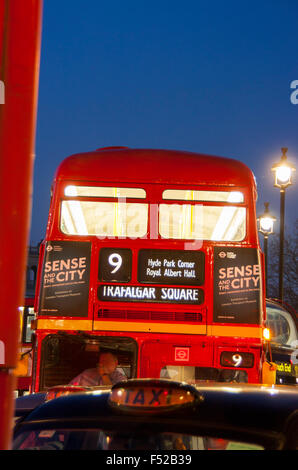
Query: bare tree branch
x=290, y=266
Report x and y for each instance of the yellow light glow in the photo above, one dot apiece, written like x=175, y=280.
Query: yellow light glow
x=283, y=174
x=266, y=334
x=70, y=191
x=235, y=196
x=266, y=223
x=283, y=171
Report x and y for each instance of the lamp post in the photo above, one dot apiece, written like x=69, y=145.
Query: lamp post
x=283, y=178
x=266, y=222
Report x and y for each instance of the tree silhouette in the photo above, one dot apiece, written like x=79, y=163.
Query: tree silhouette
x=290, y=266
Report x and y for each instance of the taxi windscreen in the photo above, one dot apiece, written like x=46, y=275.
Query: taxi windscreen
x=100, y=439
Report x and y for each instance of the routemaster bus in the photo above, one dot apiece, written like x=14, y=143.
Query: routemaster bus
x=152, y=255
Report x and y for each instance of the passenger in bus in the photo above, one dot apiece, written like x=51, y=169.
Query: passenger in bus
x=106, y=372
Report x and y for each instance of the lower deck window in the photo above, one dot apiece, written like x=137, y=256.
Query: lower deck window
x=65, y=356
x=97, y=439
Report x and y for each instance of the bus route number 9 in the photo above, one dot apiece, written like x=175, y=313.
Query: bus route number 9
x=115, y=260
x=237, y=360
x=115, y=264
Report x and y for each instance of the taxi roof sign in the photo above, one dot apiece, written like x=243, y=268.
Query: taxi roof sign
x=152, y=396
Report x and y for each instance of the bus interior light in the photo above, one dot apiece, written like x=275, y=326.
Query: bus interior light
x=70, y=191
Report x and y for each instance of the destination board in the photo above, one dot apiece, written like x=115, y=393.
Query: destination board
x=176, y=267
x=177, y=295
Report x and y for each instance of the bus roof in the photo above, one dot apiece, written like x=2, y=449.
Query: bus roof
x=115, y=164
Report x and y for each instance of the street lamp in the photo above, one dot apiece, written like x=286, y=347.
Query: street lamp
x=266, y=222
x=283, y=178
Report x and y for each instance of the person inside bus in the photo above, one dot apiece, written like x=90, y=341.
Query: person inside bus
x=106, y=372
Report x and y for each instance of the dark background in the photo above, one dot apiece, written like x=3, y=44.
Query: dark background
x=211, y=77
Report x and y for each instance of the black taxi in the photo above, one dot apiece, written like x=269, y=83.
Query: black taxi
x=162, y=415
x=282, y=321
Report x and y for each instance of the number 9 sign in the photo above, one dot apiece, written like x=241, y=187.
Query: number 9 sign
x=115, y=264
x=115, y=260
x=237, y=360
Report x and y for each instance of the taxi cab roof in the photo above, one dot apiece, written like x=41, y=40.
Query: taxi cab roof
x=243, y=409
x=155, y=166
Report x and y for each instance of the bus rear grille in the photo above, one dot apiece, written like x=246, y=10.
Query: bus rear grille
x=148, y=315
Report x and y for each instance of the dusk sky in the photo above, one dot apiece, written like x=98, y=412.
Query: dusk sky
x=208, y=77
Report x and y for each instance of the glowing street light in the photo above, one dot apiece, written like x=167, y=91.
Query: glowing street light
x=266, y=222
x=283, y=171
x=283, y=178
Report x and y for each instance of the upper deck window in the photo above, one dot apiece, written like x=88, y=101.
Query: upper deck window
x=104, y=219
x=198, y=222
x=119, y=218
x=99, y=191
x=212, y=196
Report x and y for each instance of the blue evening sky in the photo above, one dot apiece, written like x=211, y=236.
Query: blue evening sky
x=211, y=77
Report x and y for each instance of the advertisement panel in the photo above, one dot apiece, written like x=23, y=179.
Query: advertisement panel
x=237, y=285
x=65, y=279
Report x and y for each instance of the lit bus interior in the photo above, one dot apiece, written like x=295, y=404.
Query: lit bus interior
x=201, y=221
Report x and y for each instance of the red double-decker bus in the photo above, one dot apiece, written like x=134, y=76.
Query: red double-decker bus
x=152, y=255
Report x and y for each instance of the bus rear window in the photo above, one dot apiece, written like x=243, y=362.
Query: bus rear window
x=104, y=219
x=198, y=222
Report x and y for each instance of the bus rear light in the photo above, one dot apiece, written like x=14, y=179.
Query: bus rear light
x=236, y=359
